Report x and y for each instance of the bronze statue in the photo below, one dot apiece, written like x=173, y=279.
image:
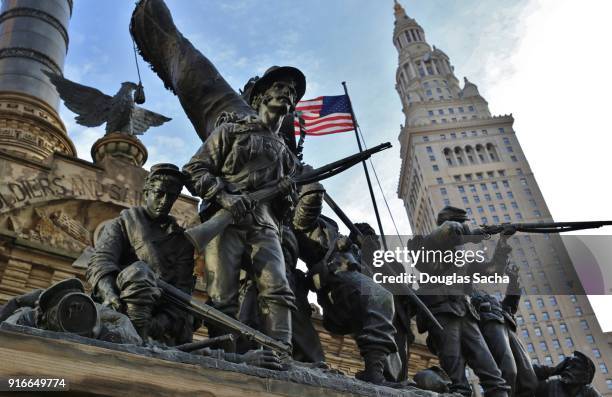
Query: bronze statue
x=94, y=108
x=460, y=343
x=138, y=247
x=570, y=378
x=242, y=152
x=352, y=303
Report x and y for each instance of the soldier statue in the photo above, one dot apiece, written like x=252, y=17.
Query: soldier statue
x=135, y=249
x=242, y=152
x=498, y=326
x=570, y=378
x=352, y=303
x=460, y=343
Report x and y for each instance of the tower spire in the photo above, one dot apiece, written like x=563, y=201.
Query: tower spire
x=398, y=10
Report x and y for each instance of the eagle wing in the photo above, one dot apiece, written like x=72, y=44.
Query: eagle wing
x=91, y=105
x=142, y=119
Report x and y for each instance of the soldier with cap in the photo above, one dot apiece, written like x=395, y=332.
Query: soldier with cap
x=135, y=249
x=352, y=303
x=461, y=342
x=242, y=152
x=570, y=378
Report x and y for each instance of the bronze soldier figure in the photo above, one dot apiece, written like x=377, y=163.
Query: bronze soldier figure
x=498, y=326
x=242, y=152
x=352, y=303
x=461, y=341
x=573, y=378
x=141, y=245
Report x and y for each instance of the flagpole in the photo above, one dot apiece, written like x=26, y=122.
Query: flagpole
x=365, y=168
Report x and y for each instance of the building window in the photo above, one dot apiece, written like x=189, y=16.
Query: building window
x=545, y=316
x=443, y=191
x=596, y=353
x=429, y=149
x=543, y=346
x=513, y=158
x=494, y=185
x=472, y=188
x=436, y=168
x=498, y=196
x=548, y=360
x=525, y=333
x=603, y=368
x=530, y=348
x=552, y=300
x=584, y=324
x=533, y=318
x=558, y=314
x=573, y=298
x=434, y=122
x=464, y=199
x=520, y=320
x=509, y=149
x=491, y=208
x=468, y=177
x=510, y=194
x=468, y=210
x=461, y=189
x=432, y=158
x=590, y=339
x=538, y=331
x=578, y=311
x=428, y=92
x=440, y=111
x=430, y=112
x=476, y=199
x=446, y=202
x=484, y=220
x=501, y=130
x=556, y=344
x=527, y=303
x=425, y=139
x=480, y=209
x=563, y=327
x=471, y=108
x=487, y=197
x=495, y=219
x=550, y=329
x=460, y=109
x=540, y=302
x=453, y=134
x=451, y=111
x=569, y=342
x=609, y=383
x=440, y=181
x=518, y=215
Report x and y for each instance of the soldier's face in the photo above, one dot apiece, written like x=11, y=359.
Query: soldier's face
x=280, y=96
x=159, y=199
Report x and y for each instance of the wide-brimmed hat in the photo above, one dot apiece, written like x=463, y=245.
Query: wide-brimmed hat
x=257, y=85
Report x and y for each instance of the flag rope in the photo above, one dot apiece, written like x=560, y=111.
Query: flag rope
x=380, y=188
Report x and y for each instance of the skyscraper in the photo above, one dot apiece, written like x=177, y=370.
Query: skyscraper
x=455, y=152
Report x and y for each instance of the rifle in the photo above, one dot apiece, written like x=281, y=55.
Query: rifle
x=201, y=235
x=209, y=313
x=405, y=289
x=486, y=231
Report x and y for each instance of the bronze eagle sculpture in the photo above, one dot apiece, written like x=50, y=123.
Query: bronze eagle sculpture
x=93, y=107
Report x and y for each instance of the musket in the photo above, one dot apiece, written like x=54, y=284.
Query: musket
x=404, y=288
x=486, y=231
x=201, y=235
x=212, y=315
x=201, y=344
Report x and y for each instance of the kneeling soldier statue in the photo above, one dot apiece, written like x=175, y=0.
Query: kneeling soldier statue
x=135, y=249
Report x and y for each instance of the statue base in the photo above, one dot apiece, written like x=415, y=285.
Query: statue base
x=96, y=368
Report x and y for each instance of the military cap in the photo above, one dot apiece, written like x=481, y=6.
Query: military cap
x=589, y=366
x=450, y=213
x=257, y=85
x=54, y=293
x=167, y=169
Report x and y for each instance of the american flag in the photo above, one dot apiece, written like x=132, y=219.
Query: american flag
x=324, y=115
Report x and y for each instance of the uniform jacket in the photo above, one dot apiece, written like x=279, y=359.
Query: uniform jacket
x=135, y=236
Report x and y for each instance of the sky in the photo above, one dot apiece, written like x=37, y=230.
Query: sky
x=544, y=61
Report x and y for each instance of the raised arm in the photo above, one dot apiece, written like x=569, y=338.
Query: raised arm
x=202, y=91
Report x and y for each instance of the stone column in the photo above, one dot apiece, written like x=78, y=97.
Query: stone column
x=33, y=37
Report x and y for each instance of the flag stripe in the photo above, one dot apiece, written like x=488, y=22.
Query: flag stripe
x=324, y=115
